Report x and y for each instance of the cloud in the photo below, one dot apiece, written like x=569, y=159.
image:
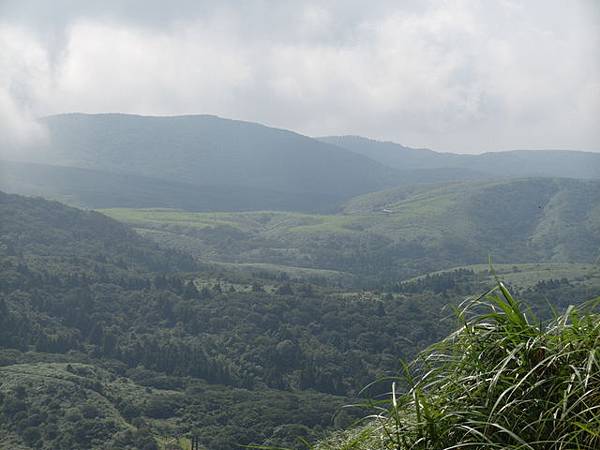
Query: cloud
x=22, y=76
x=457, y=75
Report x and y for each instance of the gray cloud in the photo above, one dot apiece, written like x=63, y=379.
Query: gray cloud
x=463, y=76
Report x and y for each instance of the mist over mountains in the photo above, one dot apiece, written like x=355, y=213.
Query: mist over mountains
x=204, y=163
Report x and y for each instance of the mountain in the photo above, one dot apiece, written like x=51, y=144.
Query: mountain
x=206, y=163
x=207, y=152
x=88, y=188
x=515, y=163
x=401, y=232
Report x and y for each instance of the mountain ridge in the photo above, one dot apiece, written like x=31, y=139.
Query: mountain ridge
x=515, y=162
x=208, y=163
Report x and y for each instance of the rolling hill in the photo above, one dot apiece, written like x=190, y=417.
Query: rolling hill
x=400, y=232
x=108, y=340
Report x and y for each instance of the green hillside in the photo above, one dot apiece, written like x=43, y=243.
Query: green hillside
x=526, y=276
x=399, y=233
x=515, y=163
x=65, y=404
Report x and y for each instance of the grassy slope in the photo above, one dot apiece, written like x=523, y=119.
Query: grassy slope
x=550, y=220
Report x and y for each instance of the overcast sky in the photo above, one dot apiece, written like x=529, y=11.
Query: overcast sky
x=464, y=76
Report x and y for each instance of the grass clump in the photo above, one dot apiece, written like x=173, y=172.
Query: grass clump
x=503, y=380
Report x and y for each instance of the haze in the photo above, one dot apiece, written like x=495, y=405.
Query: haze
x=459, y=76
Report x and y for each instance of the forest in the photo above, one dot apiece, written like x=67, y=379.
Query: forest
x=147, y=343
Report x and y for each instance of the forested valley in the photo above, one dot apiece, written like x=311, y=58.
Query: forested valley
x=111, y=340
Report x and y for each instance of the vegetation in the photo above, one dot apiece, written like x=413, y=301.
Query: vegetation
x=98, y=404
x=108, y=340
x=398, y=234
x=503, y=380
x=81, y=289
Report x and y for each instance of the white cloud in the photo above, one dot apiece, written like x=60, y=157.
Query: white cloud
x=23, y=77
x=455, y=75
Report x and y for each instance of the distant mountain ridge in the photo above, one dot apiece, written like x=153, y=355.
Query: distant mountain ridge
x=207, y=163
x=207, y=151
x=510, y=163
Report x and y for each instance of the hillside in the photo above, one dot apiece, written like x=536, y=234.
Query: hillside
x=206, y=151
x=101, y=189
x=49, y=235
x=89, y=188
x=399, y=233
x=515, y=163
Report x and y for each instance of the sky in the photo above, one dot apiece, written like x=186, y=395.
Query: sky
x=455, y=75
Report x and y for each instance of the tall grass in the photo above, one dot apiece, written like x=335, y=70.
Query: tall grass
x=502, y=381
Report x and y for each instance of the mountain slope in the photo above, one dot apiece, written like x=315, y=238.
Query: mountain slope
x=89, y=188
x=101, y=189
x=515, y=163
x=207, y=151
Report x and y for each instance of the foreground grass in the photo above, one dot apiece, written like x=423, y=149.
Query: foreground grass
x=503, y=380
